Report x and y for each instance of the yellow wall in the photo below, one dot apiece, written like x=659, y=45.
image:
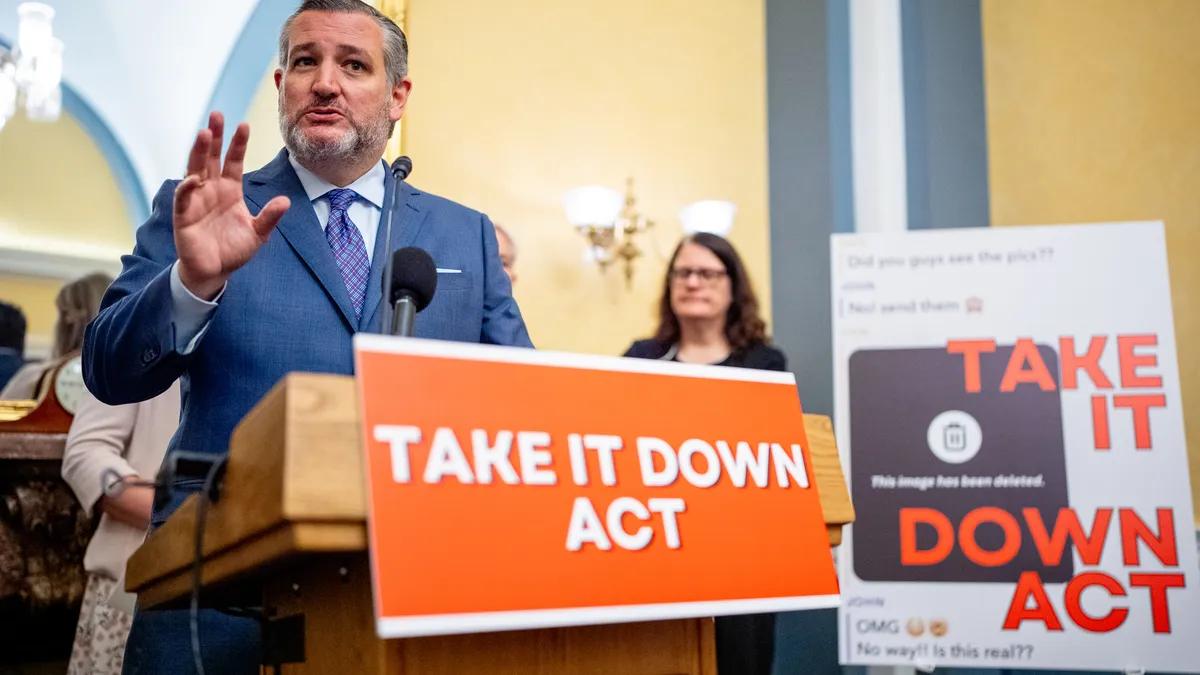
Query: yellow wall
x=35, y=297
x=1093, y=110
x=515, y=102
x=42, y=211
x=263, y=118
x=38, y=202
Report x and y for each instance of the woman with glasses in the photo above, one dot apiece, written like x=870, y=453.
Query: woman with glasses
x=709, y=315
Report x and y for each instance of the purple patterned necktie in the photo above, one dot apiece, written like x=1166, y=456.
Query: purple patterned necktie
x=349, y=250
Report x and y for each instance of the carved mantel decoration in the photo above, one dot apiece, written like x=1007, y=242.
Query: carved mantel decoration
x=43, y=531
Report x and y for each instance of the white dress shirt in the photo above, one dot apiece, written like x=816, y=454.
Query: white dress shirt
x=190, y=314
x=365, y=210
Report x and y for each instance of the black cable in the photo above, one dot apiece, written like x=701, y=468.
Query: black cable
x=210, y=492
x=197, y=579
x=112, y=483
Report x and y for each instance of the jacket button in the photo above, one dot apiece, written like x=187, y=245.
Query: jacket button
x=149, y=355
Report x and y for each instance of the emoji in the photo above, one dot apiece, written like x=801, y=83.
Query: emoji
x=938, y=627
x=915, y=627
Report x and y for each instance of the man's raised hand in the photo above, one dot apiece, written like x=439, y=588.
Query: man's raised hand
x=214, y=231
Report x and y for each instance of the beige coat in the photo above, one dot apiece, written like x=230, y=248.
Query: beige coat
x=130, y=439
x=29, y=383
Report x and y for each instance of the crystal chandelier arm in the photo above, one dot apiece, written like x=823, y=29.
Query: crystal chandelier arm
x=31, y=76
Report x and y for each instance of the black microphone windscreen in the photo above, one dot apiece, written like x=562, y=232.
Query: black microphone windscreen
x=413, y=273
x=401, y=167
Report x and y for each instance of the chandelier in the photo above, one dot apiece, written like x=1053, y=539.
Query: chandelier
x=31, y=75
x=610, y=222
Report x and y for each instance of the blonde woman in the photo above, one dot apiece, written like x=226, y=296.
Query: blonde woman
x=77, y=303
x=108, y=444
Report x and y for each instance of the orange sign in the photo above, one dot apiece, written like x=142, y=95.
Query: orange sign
x=513, y=488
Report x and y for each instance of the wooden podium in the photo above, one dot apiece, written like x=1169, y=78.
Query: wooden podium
x=290, y=529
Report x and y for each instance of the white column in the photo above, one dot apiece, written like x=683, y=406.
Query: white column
x=878, y=136
x=877, y=124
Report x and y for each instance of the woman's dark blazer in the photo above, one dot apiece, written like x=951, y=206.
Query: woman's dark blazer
x=757, y=356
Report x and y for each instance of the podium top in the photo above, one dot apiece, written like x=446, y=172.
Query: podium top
x=295, y=485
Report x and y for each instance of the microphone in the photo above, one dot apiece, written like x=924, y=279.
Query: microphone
x=398, y=172
x=401, y=168
x=410, y=288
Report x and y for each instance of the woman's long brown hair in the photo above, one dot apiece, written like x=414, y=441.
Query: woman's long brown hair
x=743, y=326
x=78, y=303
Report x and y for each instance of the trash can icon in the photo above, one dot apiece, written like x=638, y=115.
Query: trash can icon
x=955, y=436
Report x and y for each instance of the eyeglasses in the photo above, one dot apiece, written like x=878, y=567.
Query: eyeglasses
x=708, y=276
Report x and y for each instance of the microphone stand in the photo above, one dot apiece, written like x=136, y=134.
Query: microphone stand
x=397, y=172
x=404, y=316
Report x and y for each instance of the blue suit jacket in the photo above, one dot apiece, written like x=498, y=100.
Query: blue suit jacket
x=287, y=309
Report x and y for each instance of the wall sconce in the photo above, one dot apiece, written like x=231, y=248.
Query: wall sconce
x=608, y=222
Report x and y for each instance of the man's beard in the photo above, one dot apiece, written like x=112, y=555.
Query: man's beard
x=362, y=139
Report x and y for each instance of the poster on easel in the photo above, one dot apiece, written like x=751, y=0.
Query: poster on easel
x=1009, y=415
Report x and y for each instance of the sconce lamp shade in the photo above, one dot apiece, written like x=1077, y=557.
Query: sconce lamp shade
x=710, y=215
x=593, y=205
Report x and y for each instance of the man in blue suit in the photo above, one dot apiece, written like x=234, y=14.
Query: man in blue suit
x=214, y=295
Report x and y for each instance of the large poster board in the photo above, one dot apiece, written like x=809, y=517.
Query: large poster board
x=1009, y=414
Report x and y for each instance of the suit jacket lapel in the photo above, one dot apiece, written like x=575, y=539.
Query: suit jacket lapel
x=300, y=228
x=407, y=219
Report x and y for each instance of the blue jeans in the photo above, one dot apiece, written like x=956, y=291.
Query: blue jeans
x=160, y=642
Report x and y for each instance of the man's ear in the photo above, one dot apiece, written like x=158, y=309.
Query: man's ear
x=400, y=94
x=278, y=78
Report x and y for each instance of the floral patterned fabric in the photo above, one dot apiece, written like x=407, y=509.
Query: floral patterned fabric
x=100, y=636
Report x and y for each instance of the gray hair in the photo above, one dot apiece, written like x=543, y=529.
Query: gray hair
x=395, y=45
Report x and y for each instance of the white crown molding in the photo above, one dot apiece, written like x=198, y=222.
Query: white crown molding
x=22, y=261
